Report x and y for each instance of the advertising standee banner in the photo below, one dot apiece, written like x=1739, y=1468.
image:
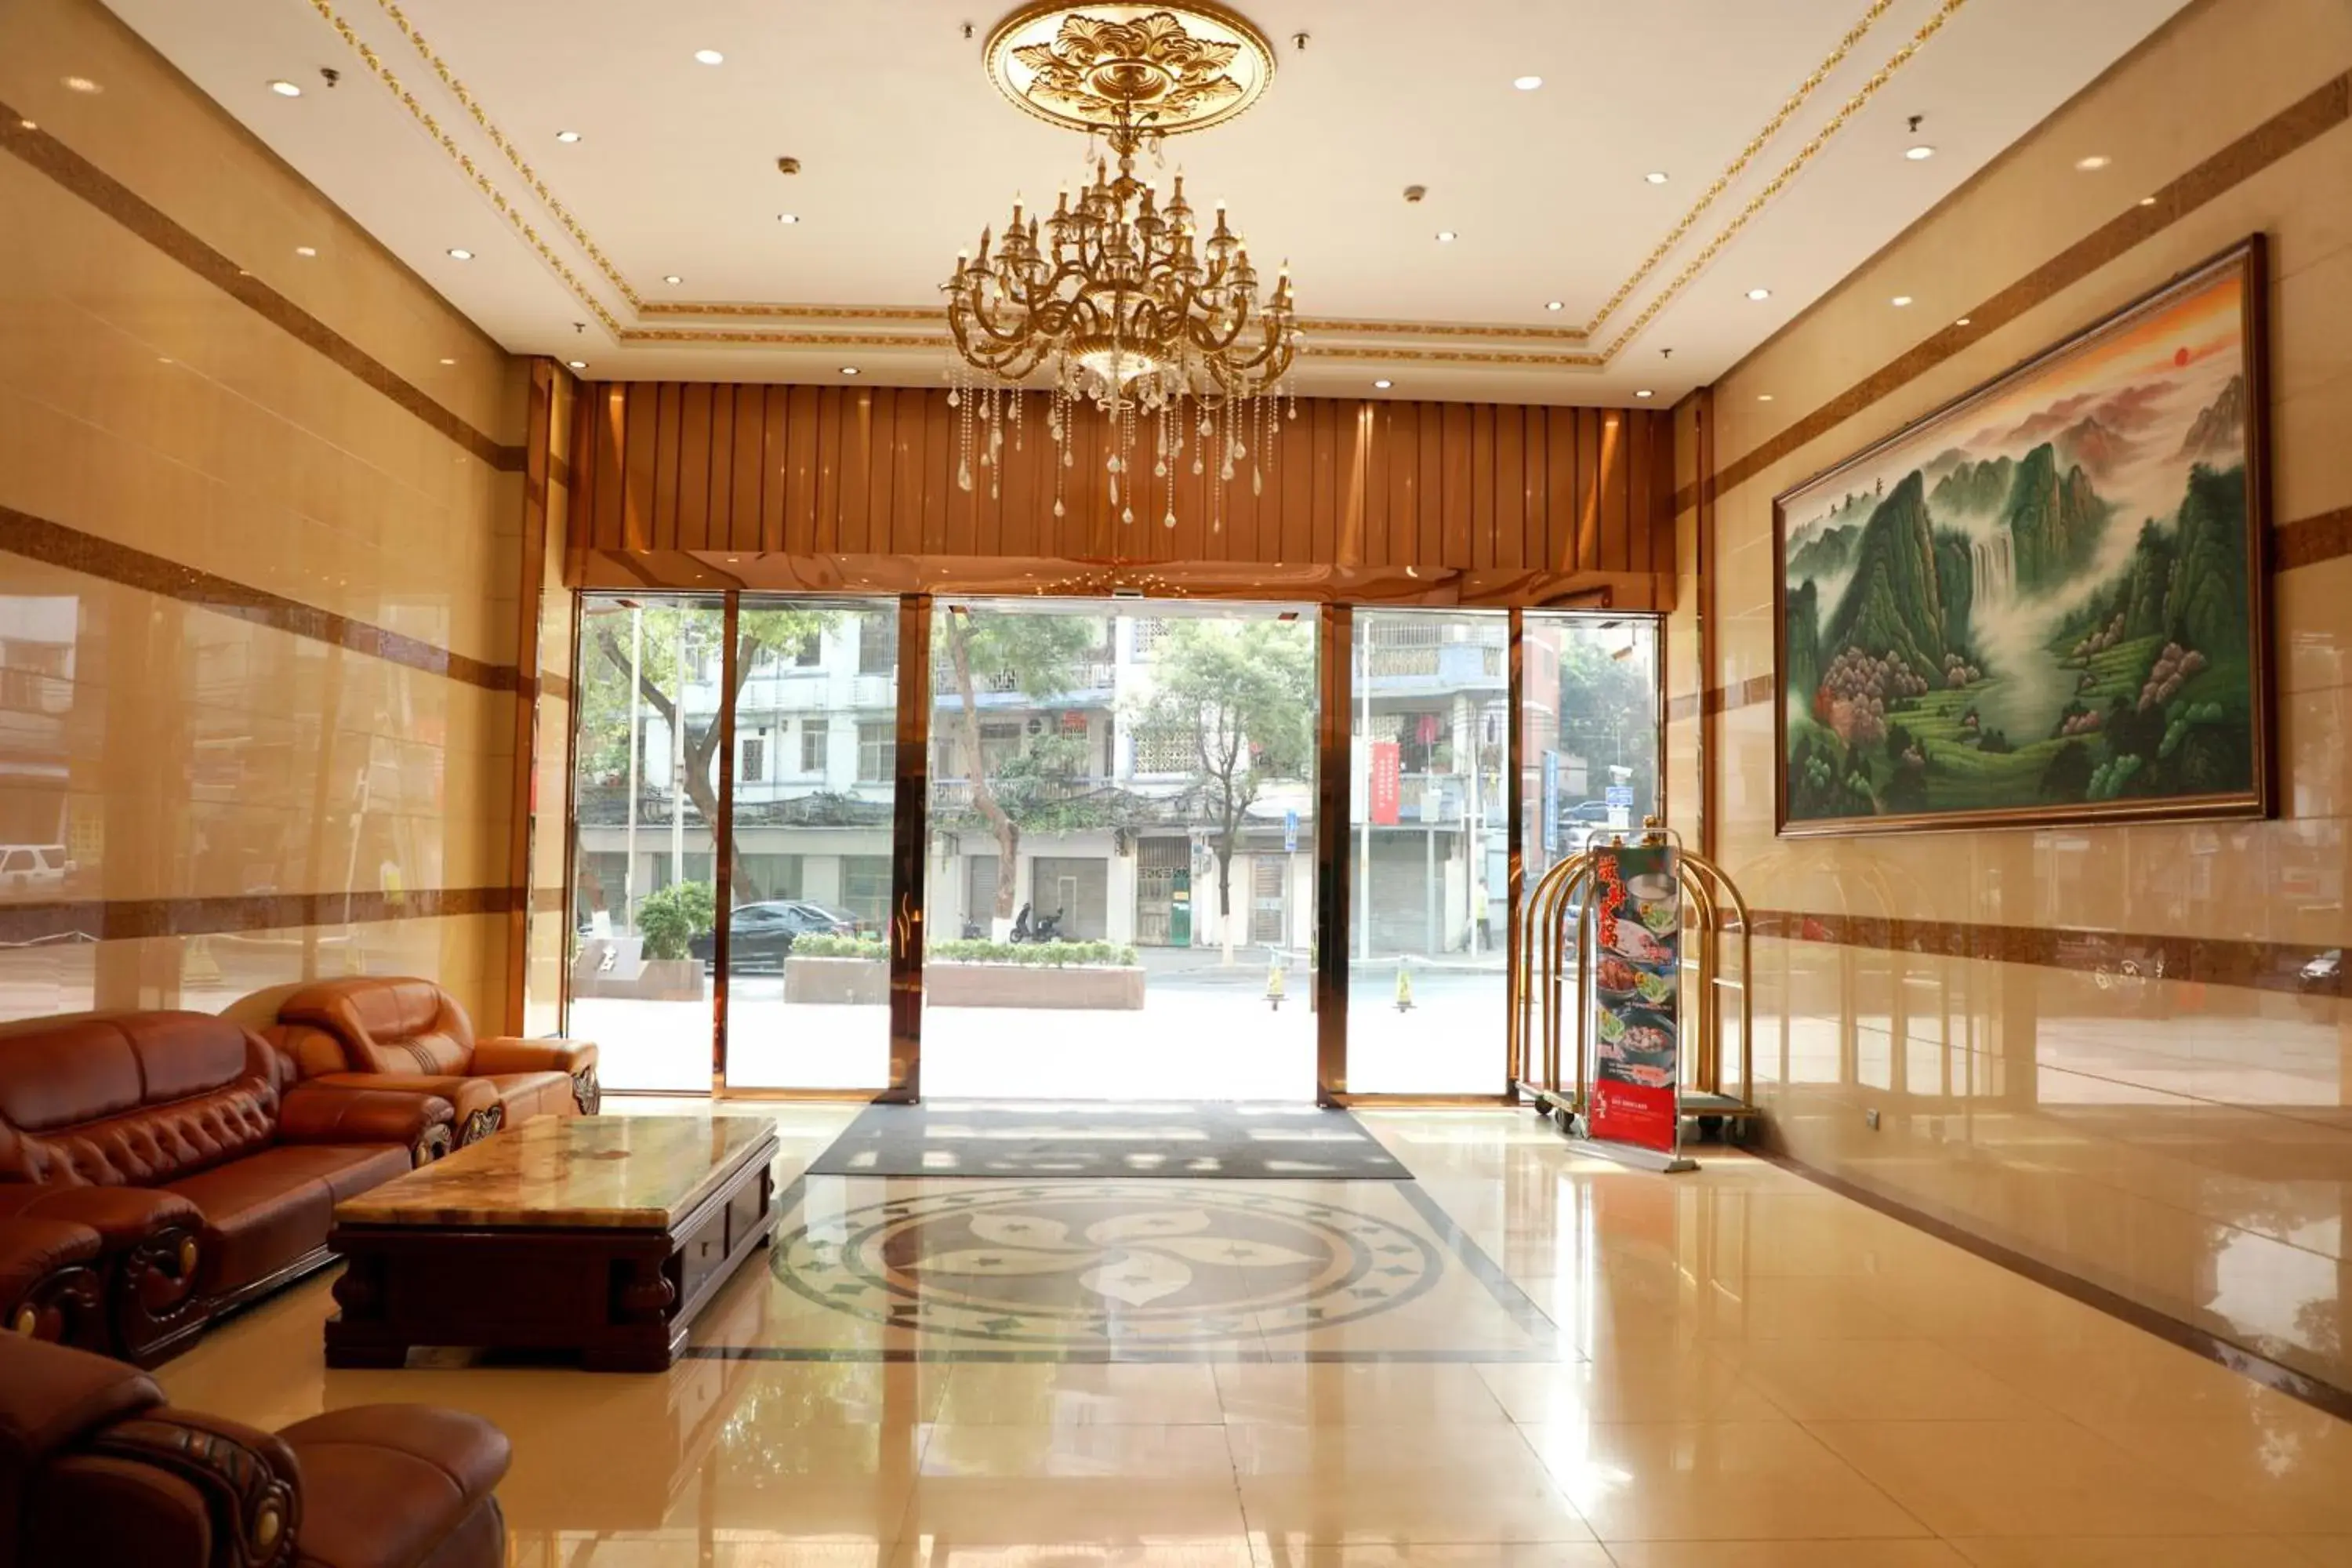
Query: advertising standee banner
x=1637, y=993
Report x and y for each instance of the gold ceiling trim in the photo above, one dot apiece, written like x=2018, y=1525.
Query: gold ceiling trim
x=498, y=138
x=1344, y=327
x=1068, y=70
x=1731, y=171
x=577, y=232
x=751, y=337
x=1788, y=171
x=482, y=182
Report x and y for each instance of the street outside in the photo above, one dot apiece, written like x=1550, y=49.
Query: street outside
x=1205, y=1032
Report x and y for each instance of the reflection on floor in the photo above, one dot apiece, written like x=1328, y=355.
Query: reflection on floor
x=1524, y=1358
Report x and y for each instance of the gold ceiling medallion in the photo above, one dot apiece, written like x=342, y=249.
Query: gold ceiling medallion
x=1176, y=68
x=1117, y=297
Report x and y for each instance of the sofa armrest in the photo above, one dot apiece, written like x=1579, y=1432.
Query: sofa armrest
x=318, y=1113
x=505, y=1053
x=249, y=1480
x=51, y=1398
x=47, y=1289
x=124, y=1217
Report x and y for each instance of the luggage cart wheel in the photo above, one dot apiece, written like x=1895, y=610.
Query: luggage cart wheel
x=1735, y=1129
x=1710, y=1129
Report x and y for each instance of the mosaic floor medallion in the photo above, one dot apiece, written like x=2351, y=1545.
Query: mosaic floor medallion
x=1071, y=1263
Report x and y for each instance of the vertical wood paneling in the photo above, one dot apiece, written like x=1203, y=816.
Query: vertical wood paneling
x=668, y=402
x=775, y=463
x=1614, y=470
x=872, y=470
x=800, y=490
x=1482, y=484
x=743, y=471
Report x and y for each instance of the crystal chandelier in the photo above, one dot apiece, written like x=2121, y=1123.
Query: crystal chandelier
x=1116, y=298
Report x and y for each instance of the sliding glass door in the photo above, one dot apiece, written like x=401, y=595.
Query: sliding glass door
x=1113, y=877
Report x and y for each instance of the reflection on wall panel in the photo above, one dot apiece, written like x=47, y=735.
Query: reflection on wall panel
x=873, y=470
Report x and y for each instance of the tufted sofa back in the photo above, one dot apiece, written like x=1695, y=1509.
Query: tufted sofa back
x=380, y=1025
x=132, y=1099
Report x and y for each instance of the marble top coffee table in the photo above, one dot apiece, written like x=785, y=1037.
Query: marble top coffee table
x=601, y=1235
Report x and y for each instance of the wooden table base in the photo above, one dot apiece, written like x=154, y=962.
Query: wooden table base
x=622, y=1298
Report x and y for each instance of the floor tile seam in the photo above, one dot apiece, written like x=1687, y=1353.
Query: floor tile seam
x=1922, y=1201
x=2263, y=1371
x=2122, y=1458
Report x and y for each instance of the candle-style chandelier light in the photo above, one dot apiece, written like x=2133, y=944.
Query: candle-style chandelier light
x=1116, y=297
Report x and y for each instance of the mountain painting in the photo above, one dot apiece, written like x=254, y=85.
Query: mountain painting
x=2044, y=602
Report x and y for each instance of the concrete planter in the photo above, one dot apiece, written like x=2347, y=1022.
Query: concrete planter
x=856, y=981
x=866, y=981
x=656, y=979
x=1085, y=988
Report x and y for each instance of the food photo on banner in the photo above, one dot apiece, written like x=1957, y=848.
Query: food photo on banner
x=1637, y=990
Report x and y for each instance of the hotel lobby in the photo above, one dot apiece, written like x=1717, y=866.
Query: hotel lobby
x=1175, y=786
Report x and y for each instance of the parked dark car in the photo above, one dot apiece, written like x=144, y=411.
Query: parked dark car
x=760, y=935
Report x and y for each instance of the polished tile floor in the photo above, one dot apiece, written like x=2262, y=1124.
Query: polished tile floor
x=1524, y=1358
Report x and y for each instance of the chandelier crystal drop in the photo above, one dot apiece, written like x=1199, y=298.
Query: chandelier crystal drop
x=1117, y=297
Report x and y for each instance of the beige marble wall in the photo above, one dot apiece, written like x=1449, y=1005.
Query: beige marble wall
x=253, y=785
x=2187, y=1144
x=549, y=943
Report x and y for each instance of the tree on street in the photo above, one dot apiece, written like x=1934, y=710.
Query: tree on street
x=1241, y=697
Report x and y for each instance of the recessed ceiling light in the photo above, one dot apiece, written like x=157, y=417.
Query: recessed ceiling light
x=1763, y=397
x=82, y=84
x=1645, y=392
x=285, y=88
x=1384, y=383
x=2093, y=164
x=305, y=251
x=567, y=136
x=672, y=278
x=1920, y=154
x=459, y=253
x=28, y=125
x=1759, y=293
x=1552, y=305
x=788, y=217
x=1527, y=83
x=1447, y=236
x=2147, y=201
x=1657, y=176
x=1961, y=323
x=711, y=56
x=448, y=361
x=577, y=364
x=1900, y=300
x=849, y=370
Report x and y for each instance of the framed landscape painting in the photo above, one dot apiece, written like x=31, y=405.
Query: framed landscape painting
x=2045, y=602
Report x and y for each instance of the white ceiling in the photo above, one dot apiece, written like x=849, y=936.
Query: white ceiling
x=907, y=151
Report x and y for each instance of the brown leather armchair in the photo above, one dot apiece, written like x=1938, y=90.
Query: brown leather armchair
x=410, y=1035
x=95, y=1467
x=171, y=1136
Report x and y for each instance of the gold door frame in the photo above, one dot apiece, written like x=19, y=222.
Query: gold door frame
x=909, y=854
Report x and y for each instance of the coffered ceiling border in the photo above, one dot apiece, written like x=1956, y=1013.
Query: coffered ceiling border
x=922, y=316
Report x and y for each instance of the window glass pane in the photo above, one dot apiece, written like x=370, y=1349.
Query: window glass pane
x=644, y=797
x=807, y=995
x=1429, y=825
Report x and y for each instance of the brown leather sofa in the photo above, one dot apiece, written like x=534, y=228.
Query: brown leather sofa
x=410, y=1034
x=174, y=1136
x=95, y=1469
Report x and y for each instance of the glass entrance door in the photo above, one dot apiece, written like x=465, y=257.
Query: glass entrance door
x=816, y=705
x=1121, y=852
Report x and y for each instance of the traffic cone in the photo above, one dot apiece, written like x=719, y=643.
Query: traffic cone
x=1273, y=983
x=1405, y=989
